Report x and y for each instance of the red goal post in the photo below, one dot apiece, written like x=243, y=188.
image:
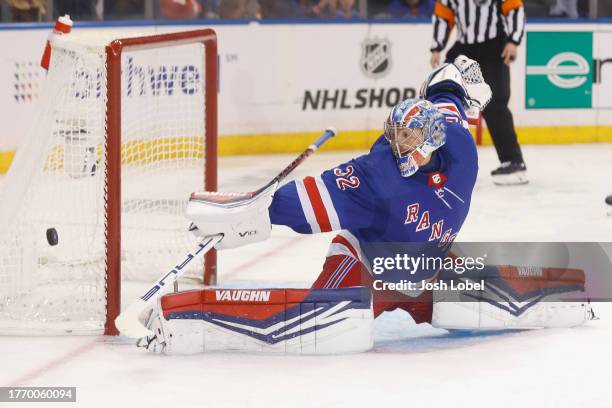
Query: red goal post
x=114, y=52
x=474, y=117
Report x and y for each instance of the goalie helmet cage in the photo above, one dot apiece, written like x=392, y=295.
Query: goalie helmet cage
x=127, y=129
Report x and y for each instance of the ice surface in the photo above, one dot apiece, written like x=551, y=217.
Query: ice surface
x=410, y=365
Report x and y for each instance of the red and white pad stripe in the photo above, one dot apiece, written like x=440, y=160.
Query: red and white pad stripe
x=347, y=244
x=317, y=205
x=343, y=269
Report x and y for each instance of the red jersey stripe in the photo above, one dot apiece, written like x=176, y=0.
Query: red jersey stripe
x=317, y=204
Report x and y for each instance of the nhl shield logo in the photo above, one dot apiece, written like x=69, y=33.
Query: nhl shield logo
x=376, y=57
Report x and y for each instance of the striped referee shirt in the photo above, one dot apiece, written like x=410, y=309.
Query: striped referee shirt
x=477, y=21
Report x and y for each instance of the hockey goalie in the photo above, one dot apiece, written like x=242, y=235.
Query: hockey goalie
x=413, y=187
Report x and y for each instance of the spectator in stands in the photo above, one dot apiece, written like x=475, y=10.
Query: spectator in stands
x=121, y=9
x=239, y=9
x=562, y=8
x=26, y=10
x=565, y=8
x=305, y=7
x=604, y=9
x=539, y=8
x=211, y=8
x=78, y=10
x=325, y=9
x=181, y=9
x=346, y=9
x=411, y=8
x=233, y=9
x=285, y=8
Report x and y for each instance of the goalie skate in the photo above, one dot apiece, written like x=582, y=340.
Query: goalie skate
x=156, y=341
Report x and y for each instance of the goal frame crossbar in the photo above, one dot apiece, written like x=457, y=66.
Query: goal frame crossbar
x=114, y=52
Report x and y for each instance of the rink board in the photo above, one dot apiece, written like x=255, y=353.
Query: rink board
x=278, y=87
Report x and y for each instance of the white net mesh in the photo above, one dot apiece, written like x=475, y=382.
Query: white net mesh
x=57, y=181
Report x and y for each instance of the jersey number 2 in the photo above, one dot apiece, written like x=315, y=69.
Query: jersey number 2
x=346, y=179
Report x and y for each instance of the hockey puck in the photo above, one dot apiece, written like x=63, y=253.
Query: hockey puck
x=52, y=237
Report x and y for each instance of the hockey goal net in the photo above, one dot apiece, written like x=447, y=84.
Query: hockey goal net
x=95, y=196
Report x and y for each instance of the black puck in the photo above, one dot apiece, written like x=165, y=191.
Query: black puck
x=609, y=199
x=52, y=237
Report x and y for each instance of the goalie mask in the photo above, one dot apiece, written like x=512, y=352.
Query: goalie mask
x=414, y=129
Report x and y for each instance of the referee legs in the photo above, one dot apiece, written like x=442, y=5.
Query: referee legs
x=497, y=114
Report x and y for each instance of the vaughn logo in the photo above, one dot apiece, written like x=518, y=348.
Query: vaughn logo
x=375, y=57
x=243, y=295
x=529, y=271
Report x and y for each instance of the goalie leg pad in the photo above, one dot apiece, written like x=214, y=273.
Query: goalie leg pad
x=513, y=298
x=293, y=321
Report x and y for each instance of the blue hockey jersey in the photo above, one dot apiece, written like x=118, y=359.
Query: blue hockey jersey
x=368, y=197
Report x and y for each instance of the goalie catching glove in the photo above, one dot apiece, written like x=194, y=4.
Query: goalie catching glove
x=463, y=78
x=242, y=218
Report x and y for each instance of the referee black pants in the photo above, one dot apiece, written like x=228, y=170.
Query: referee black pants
x=496, y=114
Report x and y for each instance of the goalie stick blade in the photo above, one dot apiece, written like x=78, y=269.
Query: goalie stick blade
x=128, y=322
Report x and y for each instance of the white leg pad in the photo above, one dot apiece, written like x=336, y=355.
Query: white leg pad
x=485, y=316
x=513, y=297
x=293, y=321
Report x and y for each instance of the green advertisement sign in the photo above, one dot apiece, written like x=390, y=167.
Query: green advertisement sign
x=559, y=70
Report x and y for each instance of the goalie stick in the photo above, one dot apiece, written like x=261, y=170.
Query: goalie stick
x=128, y=322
